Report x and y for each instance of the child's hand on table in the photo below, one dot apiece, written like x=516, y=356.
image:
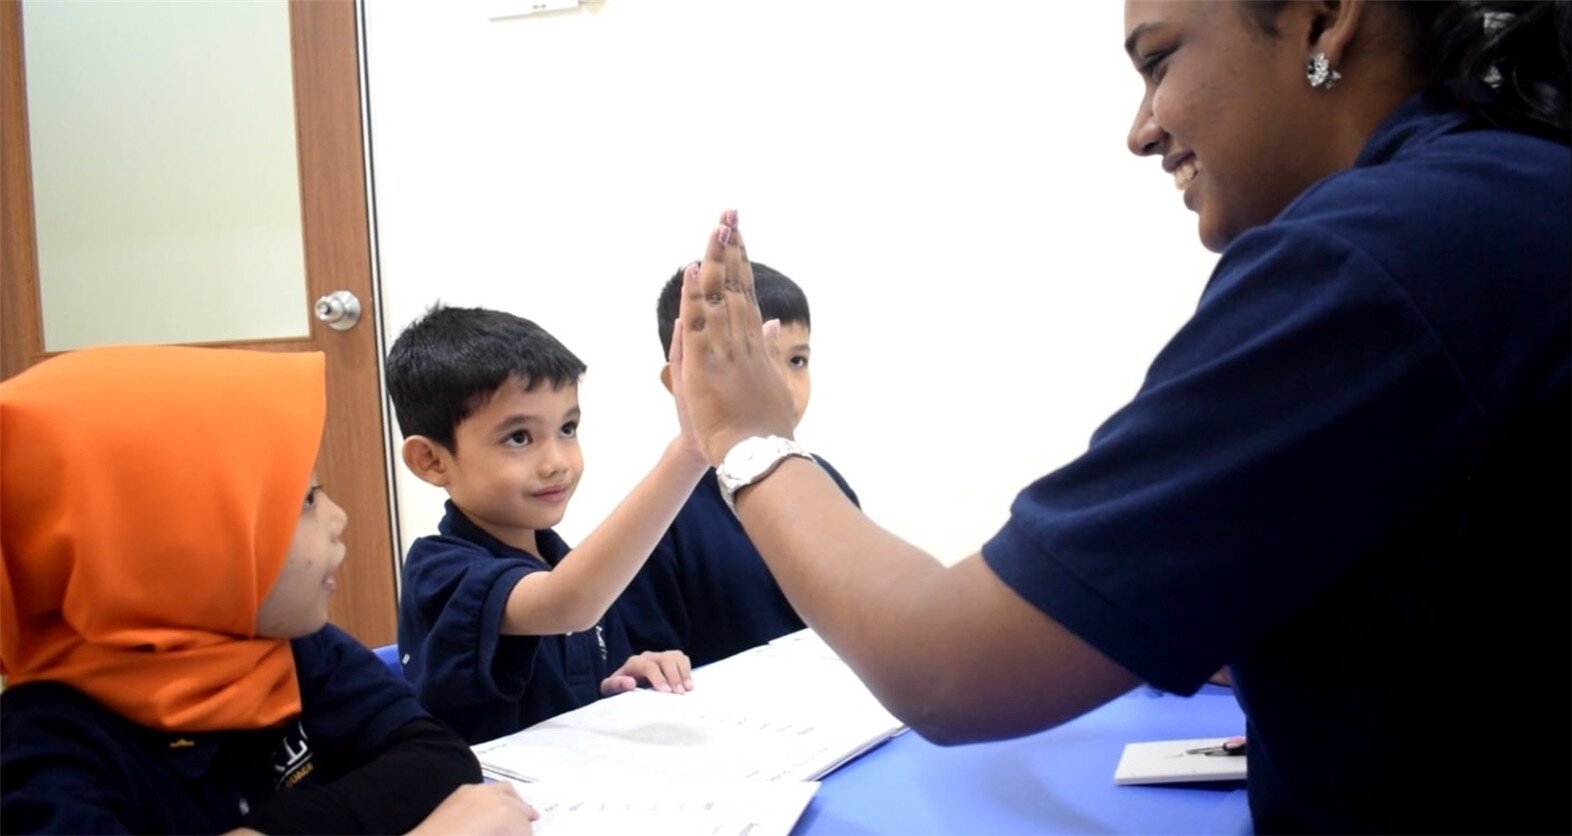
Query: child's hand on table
x=668, y=671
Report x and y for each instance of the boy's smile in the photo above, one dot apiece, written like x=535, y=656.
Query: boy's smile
x=516, y=461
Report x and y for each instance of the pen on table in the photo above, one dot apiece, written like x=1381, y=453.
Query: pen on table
x=1232, y=747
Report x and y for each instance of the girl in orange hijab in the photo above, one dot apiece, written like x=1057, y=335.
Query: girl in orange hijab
x=166, y=559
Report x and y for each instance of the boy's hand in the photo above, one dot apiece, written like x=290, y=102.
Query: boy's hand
x=668, y=671
x=722, y=367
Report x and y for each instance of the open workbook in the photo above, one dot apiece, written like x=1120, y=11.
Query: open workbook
x=790, y=710
x=731, y=808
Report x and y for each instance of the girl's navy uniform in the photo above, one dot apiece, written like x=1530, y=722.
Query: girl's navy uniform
x=70, y=765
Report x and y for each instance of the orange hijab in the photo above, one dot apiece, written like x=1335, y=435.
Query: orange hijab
x=148, y=498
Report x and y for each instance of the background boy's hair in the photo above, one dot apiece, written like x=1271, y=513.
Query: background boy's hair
x=779, y=298
x=450, y=361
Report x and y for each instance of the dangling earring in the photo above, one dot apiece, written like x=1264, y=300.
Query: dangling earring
x=1319, y=72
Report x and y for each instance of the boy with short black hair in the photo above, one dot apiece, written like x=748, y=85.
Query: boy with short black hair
x=500, y=626
x=705, y=589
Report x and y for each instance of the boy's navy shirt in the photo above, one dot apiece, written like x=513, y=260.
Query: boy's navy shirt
x=465, y=671
x=1348, y=475
x=705, y=590
x=70, y=765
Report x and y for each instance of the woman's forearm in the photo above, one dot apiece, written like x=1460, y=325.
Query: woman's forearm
x=950, y=650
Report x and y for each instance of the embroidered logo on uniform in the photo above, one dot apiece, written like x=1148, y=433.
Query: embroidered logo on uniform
x=181, y=743
x=292, y=758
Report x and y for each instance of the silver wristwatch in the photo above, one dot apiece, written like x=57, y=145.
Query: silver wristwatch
x=750, y=460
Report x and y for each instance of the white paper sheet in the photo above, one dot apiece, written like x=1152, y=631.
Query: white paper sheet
x=1172, y=761
x=651, y=809
x=787, y=711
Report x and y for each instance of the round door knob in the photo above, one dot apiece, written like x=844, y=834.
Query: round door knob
x=339, y=309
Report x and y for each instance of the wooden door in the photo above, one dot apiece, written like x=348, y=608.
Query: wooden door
x=337, y=247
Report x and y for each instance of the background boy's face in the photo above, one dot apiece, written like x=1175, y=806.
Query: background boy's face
x=517, y=462
x=793, y=359
x=297, y=604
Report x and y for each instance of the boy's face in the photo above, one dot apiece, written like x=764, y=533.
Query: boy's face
x=793, y=359
x=298, y=602
x=517, y=462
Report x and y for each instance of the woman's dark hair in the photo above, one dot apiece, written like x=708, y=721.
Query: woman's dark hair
x=1508, y=63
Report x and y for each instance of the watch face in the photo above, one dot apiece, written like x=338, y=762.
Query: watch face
x=757, y=457
x=754, y=456
x=751, y=456
x=750, y=459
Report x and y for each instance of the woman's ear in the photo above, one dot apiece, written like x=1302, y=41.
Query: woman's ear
x=1333, y=25
x=427, y=459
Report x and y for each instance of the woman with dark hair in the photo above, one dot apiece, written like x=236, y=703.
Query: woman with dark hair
x=1346, y=478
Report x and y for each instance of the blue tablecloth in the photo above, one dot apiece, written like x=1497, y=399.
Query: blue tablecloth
x=1057, y=781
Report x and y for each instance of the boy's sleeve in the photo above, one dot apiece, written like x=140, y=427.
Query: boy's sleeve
x=450, y=626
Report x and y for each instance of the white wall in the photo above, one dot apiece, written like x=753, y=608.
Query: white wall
x=990, y=270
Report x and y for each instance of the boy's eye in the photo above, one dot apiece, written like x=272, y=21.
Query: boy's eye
x=518, y=438
x=799, y=362
x=311, y=497
x=570, y=429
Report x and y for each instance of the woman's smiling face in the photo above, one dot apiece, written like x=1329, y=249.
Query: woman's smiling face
x=1227, y=110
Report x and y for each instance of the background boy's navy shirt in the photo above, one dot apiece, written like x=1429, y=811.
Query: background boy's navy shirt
x=70, y=765
x=705, y=590
x=1348, y=475
x=480, y=682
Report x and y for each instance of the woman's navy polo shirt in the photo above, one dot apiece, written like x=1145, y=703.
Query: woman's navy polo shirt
x=1348, y=476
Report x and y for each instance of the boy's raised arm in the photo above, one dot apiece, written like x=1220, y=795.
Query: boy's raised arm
x=574, y=595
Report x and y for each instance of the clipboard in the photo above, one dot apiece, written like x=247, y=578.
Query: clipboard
x=1177, y=762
